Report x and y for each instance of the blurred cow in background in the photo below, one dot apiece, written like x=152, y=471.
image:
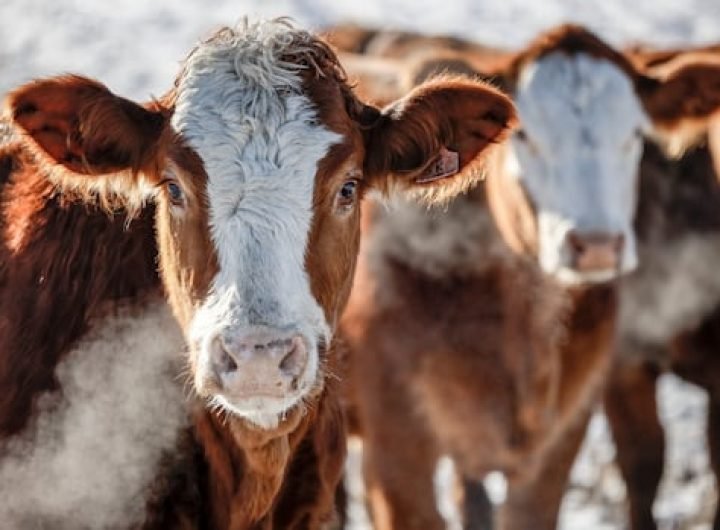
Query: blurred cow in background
x=501, y=356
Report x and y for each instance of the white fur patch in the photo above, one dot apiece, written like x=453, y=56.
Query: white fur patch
x=460, y=238
x=241, y=107
x=89, y=456
x=579, y=157
x=675, y=288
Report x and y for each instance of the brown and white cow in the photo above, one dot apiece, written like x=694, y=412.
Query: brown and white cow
x=255, y=163
x=486, y=332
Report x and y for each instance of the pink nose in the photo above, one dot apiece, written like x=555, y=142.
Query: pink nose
x=259, y=364
x=595, y=251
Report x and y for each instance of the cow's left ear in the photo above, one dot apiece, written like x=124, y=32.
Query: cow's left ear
x=77, y=124
x=690, y=93
x=435, y=139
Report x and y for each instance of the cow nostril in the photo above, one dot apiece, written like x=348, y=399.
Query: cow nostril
x=595, y=251
x=577, y=245
x=222, y=360
x=294, y=360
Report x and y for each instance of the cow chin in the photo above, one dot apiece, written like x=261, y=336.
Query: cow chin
x=573, y=277
x=262, y=412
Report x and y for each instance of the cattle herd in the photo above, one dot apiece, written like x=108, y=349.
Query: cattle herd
x=440, y=247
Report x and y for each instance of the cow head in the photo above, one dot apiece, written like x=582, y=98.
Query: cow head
x=585, y=114
x=257, y=160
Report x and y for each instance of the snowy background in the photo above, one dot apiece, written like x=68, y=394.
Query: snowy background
x=134, y=46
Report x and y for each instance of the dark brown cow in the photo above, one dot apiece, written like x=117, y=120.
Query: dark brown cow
x=486, y=332
x=255, y=163
x=671, y=304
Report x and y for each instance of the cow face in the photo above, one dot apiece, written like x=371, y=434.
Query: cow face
x=585, y=113
x=577, y=157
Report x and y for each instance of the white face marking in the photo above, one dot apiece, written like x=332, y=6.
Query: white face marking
x=579, y=160
x=242, y=109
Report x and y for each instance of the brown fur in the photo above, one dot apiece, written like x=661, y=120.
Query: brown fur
x=48, y=276
x=501, y=358
x=66, y=266
x=646, y=57
x=92, y=145
x=714, y=143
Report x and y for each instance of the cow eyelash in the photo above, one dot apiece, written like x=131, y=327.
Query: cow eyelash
x=174, y=191
x=347, y=194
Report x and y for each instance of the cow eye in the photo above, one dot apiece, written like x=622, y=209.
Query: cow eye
x=174, y=192
x=347, y=195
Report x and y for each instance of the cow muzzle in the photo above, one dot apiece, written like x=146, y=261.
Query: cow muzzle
x=257, y=371
x=595, y=252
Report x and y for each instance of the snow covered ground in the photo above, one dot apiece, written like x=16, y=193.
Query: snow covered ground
x=134, y=46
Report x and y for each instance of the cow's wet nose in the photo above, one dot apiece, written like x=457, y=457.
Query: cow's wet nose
x=595, y=251
x=262, y=363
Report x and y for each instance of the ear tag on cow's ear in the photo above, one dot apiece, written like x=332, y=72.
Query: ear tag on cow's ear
x=445, y=165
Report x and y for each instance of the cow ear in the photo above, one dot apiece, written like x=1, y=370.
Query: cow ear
x=77, y=124
x=435, y=139
x=689, y=93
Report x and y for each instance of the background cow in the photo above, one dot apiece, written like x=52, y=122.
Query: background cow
x=514, y=391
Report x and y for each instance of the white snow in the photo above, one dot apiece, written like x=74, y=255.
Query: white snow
x=134, y=46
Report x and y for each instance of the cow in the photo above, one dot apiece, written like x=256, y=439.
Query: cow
x=487, y=333
x=671, y=304
x=245, y=180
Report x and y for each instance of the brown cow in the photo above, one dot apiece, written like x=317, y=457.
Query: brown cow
x=255, y=161
x=671, y=304
x=486, y=333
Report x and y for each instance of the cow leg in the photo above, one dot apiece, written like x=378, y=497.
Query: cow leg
x=477, y=508
x=713, y=435
x=631, y=410
x=341, y=505
x=694, y=357
x=534, y=503
x=399, y=479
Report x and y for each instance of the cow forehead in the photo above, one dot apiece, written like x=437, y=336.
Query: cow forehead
x=241, y=106
x=569, y=99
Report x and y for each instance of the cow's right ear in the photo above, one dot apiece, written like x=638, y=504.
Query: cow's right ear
x=77, y=124
x=689, y=92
